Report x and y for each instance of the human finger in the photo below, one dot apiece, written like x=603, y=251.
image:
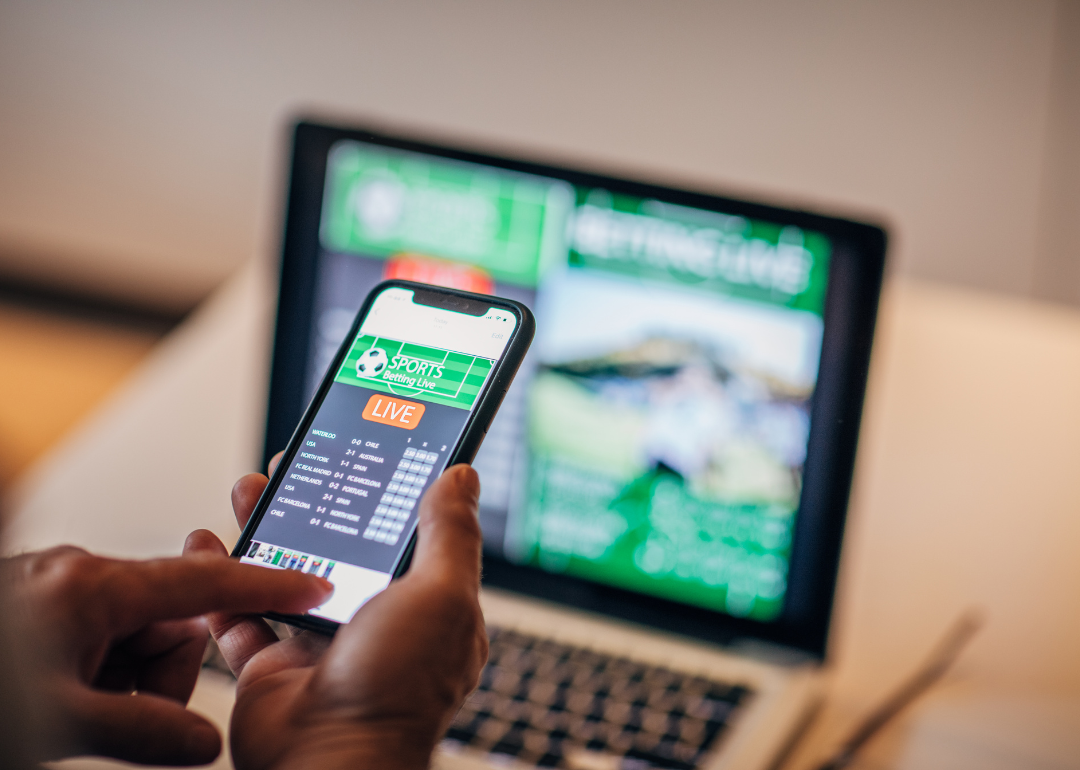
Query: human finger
x=162, y=658
x=239, y=637
x=172, y=653
x=448, y=542
x=245, y=495
x=273, y=464
x=448, y=557
x=145, y=729
x=246, y=491
x=142, y=592
x=203, y=541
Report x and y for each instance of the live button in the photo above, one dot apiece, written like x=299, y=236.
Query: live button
x=393, y=411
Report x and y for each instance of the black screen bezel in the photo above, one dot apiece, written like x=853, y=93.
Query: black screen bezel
x=855, y=276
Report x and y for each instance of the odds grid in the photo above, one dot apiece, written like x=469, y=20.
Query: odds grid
x=397, y=503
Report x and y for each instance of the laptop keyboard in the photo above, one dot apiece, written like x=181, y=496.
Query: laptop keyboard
x=551, y=705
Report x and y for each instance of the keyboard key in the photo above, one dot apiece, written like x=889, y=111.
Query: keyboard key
x=490, y=731
x=511, y=743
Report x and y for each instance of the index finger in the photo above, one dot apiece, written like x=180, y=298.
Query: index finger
x=448, y=539
x=197, y=584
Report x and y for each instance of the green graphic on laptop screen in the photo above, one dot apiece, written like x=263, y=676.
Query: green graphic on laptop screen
x=657, y=437
x=382, y=202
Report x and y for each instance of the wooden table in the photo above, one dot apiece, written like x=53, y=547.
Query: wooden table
x=56, y=369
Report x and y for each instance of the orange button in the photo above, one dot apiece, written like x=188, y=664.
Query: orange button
x=394, y=411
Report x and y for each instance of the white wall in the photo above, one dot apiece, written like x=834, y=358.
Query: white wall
x=141, y=143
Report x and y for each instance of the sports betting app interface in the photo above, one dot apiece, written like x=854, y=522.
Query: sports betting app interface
x=655, y=436
x=347, y=505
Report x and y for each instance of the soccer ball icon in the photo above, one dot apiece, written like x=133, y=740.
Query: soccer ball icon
x=371, y=362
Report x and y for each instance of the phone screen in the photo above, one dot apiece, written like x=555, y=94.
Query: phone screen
x=347, y=505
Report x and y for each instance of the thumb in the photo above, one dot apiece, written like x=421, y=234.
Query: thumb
x=144, y=729
x=448, y=541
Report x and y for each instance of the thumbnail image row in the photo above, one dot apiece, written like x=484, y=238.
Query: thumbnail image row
x=286, y=558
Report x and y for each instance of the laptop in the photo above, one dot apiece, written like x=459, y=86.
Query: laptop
x=666, y=483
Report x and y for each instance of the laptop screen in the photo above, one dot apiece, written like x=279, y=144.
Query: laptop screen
x=655, y=441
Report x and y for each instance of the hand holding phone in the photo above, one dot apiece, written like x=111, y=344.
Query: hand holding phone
x=382, y=691
x=108, y=651
x=412, y=391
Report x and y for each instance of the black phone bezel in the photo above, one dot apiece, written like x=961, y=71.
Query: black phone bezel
x=464, y=451
x=855, y=277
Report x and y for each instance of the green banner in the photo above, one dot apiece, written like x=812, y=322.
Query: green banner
x=380, y=202
x=747, y=258
x=415, y=371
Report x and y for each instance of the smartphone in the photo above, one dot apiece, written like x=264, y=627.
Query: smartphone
x=411, y=391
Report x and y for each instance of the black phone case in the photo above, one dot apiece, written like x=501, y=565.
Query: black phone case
x=467, y=446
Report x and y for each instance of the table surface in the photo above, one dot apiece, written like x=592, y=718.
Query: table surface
x=964, y=493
